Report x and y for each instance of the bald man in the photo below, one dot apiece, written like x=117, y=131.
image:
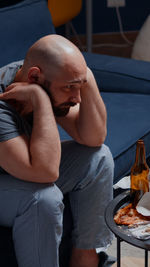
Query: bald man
x=53, y=85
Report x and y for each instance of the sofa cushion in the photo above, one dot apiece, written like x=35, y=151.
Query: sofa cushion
x=21, y=25
x=128, y=121
x=115, y=74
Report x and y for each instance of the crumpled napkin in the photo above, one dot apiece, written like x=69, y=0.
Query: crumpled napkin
x=142, y=231
x=124, y=183
x=143, y=205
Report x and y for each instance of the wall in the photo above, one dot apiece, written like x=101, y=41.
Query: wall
x=105, y=20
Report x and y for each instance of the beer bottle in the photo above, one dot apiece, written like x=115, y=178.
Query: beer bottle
x=139, y=174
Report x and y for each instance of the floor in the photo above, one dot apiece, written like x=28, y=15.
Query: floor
x=114, y=44
x=130, y=255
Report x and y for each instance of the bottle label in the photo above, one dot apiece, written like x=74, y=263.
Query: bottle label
x=140, y=181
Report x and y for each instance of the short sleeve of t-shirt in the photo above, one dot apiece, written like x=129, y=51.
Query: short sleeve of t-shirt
x=11, y=124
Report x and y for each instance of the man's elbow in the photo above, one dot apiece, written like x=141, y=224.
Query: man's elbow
x=99, y=140
x=46, y=175
x=96, y=143
x=99, y=143
x=102, y=138
x=54, y=176
x=51, y=175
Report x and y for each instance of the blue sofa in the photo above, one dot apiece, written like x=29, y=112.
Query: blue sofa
x=124, y=85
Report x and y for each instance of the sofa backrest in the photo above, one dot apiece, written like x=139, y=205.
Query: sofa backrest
x=21, y=24
x=120, y=75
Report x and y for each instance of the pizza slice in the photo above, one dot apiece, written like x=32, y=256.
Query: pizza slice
x=129, y=216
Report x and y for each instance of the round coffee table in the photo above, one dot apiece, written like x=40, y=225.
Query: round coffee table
x=119, y=231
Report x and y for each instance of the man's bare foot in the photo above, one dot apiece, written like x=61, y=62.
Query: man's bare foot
x=84, y=258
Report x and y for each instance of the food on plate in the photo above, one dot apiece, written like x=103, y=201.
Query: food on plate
x=128, y=215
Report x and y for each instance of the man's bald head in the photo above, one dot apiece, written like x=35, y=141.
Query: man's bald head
x=51, y=53
x=58, y=66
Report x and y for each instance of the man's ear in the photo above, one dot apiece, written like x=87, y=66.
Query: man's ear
x=34, y=74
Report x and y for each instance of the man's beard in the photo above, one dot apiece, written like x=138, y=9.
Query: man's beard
x=61, y=110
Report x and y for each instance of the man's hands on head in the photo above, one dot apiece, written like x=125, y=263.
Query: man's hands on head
x=86, y=122
x=36, y=159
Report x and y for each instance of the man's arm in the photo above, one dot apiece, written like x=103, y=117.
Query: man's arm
x=86, y=122
x=37, y=159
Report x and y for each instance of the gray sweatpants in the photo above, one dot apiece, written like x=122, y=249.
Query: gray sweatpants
x=35, y=211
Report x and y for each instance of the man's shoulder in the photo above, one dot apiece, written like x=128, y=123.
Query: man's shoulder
x=13, y=64
x=7, y=72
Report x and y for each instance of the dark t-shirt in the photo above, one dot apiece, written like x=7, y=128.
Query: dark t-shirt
x=11, y=123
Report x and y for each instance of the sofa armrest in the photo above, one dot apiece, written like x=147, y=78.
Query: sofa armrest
x=115, y=74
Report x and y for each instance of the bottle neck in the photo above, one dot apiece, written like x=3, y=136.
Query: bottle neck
x=140, y=154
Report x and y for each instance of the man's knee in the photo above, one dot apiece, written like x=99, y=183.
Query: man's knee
x=44, y=202
x=50, y=203
x=101, y=165
x=105, y=164
x=106, y=157
x=101, y=158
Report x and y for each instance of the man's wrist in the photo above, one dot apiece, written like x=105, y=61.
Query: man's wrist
x=38, y=96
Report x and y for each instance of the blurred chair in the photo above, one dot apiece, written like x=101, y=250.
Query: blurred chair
x=62, y=12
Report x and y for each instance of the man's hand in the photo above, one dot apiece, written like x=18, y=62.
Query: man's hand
x=21, y=96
